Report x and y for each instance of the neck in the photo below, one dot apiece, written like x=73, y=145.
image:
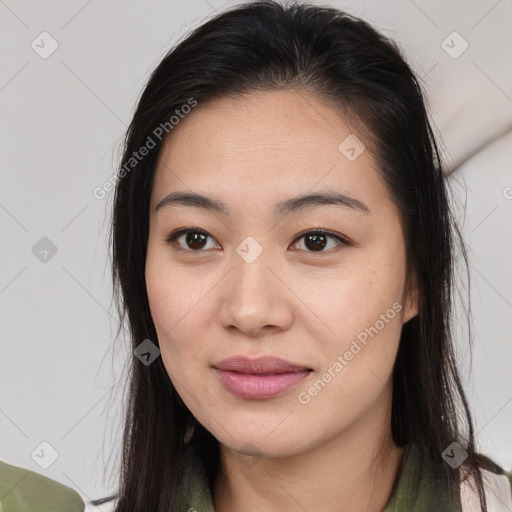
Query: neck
x=353, y=472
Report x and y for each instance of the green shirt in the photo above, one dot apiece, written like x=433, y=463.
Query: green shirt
x=22, y=490
x=414, y=491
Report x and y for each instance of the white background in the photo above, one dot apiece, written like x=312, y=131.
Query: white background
x=62, y=121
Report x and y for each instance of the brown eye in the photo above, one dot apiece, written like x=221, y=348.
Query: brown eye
x=318, y=240
x=194, y=239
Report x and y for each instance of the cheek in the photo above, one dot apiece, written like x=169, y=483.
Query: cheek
x=177, y=304
x=365, y=313
x=175, y=295
x=361, y=321
x=173, y=315
x=353, y=299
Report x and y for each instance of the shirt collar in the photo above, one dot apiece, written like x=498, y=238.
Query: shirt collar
x=416, y=488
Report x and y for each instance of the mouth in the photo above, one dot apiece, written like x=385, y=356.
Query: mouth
x=260, y=378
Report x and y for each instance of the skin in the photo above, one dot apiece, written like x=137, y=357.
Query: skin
x=305, y=306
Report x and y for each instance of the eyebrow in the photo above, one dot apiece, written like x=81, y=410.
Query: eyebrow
x=299, y=203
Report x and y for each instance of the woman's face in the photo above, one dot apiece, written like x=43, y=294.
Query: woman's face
x=257, y=283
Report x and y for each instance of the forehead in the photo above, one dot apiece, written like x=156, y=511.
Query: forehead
x=261, y=143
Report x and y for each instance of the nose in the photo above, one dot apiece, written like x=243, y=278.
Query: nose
x=255, y=299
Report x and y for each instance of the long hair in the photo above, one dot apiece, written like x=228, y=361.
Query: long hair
x=266, y=46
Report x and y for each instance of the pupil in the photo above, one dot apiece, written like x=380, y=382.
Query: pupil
x=315, y=239
x=192, y=238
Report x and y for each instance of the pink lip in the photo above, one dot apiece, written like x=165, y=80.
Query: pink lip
x=263, y=364
x=247, y=385
x=264, y=377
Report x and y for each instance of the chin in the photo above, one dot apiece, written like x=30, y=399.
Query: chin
x=254, y=443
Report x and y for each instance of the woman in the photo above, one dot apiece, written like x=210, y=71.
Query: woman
x=283, y=252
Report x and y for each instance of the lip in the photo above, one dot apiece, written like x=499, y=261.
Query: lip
x=262, y=364
x=263, y=377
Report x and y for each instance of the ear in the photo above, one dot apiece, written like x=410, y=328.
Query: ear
x=411, y=298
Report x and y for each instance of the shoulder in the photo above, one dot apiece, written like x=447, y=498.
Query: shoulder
x=25, y=490
x=497, y=490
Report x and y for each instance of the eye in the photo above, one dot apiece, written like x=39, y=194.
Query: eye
x=316, y=239
x=195, y=239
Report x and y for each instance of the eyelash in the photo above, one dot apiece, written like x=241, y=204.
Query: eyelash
x=183, y=231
